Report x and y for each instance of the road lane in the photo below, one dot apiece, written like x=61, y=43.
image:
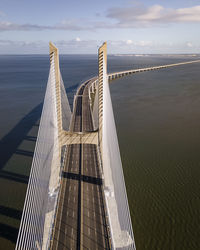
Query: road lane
x=80, y=221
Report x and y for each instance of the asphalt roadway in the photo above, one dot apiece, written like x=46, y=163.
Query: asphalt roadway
x=80, y=221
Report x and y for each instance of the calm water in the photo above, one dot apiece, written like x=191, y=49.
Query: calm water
x=158, y=119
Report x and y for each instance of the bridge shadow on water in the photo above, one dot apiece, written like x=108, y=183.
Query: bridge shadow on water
x=9, y=143
x=8, y=232
x=13, y=177
x=9, y=146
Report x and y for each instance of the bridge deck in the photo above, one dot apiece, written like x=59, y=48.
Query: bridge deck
x=80, y=217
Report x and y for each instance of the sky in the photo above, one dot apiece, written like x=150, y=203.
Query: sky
x=80, y=26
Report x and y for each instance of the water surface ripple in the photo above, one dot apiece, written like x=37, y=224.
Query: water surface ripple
x=158, y=121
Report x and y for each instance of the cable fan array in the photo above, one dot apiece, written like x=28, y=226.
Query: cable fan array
x=44, y=177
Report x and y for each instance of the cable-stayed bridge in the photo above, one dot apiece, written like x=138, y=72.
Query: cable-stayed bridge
x=76, y=196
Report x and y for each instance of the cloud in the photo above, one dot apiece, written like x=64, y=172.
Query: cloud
x=130, y=17
x=144, y=43
x=129, y=42
x=78, y=39
x=22, y=43
x=74, y=24
x=140, y=15
x=74, y=46
x=23, y=47
x=78, y=46
x=146, y=47
x=190, y=45
x=9, y=26
x=64, y=25
x=60, y=43
x=130, y=45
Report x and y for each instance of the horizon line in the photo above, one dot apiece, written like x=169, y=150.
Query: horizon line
x=110, y=54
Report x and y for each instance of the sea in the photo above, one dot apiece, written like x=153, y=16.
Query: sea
x=157, y=115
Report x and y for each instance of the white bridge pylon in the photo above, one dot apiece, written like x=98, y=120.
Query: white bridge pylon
x=114, y=185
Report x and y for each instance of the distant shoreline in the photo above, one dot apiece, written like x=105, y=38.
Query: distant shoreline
x=166, y=55
x=135, y=55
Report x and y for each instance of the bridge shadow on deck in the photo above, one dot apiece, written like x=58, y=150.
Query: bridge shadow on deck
x=84, y=178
